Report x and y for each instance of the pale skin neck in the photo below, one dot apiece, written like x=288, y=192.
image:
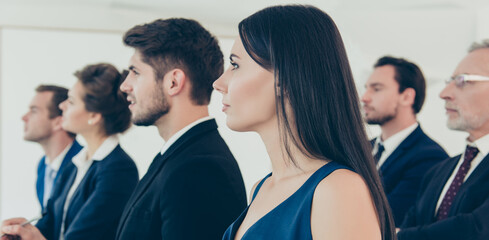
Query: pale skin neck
x=281, y=166
x=478, y=133
x=404, y=119
x=94, y=139
x=180, y=115
x=55, y=145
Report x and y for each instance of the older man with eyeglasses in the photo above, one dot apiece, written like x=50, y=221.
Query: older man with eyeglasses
x=454, y=199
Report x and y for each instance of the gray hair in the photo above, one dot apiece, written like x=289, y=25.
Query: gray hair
x=478, y=45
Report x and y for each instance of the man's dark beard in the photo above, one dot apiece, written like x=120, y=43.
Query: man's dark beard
x=381, y=120
x=150, y=118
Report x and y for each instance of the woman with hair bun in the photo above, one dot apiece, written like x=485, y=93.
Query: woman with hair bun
x=89, y=197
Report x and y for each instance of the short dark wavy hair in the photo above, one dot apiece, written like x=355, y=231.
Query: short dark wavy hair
x=408, y=75
x=180, y=43
x=101, y=83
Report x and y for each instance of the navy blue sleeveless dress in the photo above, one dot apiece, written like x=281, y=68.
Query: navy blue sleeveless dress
x=291, y=219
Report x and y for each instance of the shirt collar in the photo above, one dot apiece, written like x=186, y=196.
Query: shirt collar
x=395, y=140
x=103, y=151
x=180, y=133
x=56, y=163
x=482, y=144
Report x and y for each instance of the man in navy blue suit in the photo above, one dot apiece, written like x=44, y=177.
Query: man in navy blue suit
x=42, y=124
x=394, y=94
x=454, y=199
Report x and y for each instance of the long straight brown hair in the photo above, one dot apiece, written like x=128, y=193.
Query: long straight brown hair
x=303, y=47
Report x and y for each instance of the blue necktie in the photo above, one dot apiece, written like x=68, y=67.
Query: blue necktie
x=49, y=176
x=378, y=154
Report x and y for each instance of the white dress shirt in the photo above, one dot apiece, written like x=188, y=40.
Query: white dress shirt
x=180, y=133
x=83, y=164
x=52, y=168
x=483, y=145
x=391, y=143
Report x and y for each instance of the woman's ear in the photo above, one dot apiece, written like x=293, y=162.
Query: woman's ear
x=94, y=118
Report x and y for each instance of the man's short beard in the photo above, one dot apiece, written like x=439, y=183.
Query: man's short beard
x=158, y=108
x=150, y=118
x=466, y=123
x=380, y=120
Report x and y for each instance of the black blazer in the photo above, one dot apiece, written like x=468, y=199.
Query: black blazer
x=194, y=191
x=97, y=203
x=468, y=218
x=404, y=169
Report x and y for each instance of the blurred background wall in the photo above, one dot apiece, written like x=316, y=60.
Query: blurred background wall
x=47, y=41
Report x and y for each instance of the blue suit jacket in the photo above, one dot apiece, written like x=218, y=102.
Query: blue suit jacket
x=74, y=149
x=468, y=218
x=97, y=203
x=404, y=169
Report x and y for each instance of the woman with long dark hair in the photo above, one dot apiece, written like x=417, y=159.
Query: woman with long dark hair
x=290, y=81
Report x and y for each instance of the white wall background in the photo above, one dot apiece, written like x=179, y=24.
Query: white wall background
x=52, y=58
x=46, y=43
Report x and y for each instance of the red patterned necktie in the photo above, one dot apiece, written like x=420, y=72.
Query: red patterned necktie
x=470, y=153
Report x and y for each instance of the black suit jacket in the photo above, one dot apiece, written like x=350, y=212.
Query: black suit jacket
x=194, y=191
x=97, y=203
x=468, y=218
x=404, y=169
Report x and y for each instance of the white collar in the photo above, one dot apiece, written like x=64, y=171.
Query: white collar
x=180, y=133
x=105, y=149
x=56, y=163
x=482, y=144
x=395, y=140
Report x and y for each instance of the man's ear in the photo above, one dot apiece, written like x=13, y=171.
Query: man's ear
x=408, y=96
x=56, y=123
x=176, y=81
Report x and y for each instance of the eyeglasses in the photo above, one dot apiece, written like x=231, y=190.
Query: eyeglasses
x=461, y=79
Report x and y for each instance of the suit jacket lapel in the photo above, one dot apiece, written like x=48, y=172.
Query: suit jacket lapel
x=58, y=215
x=159, y=161
x=82, y=183
x=410, y=140
x=480, y=171
x=74, y=149
x=40, y=181
x=475, y=177
x=437, y=184
x=140, y=187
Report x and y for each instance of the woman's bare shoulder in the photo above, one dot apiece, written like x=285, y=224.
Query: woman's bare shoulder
x=343, y=208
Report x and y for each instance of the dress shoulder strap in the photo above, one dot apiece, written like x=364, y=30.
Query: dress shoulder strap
x=259, y=186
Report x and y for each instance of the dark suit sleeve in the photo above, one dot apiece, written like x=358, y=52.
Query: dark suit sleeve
x=409, y=218
x=99, y=215
x=47, y=221
x=403, y=195
x=462, y=226
x=203, y=201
